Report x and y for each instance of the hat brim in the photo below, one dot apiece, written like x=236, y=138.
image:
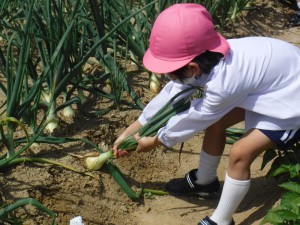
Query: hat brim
x=220, y=44
x=162, y=66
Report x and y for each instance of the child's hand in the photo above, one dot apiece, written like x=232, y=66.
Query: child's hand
x=129, y=130
x=119, y=152
x=146, y=144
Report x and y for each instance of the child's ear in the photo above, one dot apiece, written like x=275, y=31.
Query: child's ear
x=194, y=68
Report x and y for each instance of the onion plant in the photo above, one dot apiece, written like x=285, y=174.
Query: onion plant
x=132, y=37
x=46, y=43
x=175, y=105
x=52, y=41
x=6, y=210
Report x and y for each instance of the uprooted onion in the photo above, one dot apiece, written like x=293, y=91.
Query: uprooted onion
x=96, y=162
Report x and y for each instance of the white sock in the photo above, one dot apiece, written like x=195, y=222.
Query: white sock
x=298, y=4
x=207, y=169
x=233, y=193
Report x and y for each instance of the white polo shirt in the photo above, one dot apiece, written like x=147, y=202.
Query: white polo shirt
x=260, y=74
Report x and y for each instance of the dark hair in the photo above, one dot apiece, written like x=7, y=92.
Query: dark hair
x=206, y=61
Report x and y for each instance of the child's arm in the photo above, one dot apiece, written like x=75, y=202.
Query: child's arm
x=129, y=131
x=169, y=91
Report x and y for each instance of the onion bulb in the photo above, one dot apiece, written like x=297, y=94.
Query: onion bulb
x=155, y=85
x=96, y=162
x=68, y=111
x=52, y=123
x=45, y=98
x=82, y=97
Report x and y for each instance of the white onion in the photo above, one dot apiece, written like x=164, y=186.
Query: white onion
x=68, y=112
x=96, y=162
x=155, y=85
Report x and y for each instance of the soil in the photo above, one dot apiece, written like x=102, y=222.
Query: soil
x=99, y=200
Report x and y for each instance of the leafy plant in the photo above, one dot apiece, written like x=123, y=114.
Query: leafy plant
x=288, y=211
x=285, y=162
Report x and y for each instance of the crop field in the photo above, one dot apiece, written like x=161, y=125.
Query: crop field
x=72, y=79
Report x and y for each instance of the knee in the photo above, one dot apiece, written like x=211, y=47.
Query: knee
x=238, y=158
x=239, y=166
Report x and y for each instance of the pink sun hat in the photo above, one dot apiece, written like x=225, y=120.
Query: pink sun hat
x=179, y=34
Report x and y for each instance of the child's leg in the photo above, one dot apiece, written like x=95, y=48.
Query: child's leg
x=215, y=135
x=237, y=181
x=203, y=181
x=213, y=146
x=244, y=151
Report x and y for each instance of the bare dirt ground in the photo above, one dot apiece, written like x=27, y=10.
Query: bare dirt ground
x=100, y=201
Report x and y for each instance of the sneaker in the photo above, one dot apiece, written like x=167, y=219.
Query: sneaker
x=208, y=221
x=187, y=186
x=295, y=20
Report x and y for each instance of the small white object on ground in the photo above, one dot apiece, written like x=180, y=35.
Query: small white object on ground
x=76, y=221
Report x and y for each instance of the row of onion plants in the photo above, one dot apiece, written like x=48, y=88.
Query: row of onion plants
x=44, y=46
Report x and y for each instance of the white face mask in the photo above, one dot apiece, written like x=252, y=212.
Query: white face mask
x=188, y=80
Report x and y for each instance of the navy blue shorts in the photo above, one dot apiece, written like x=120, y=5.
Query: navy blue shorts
x=284, y=139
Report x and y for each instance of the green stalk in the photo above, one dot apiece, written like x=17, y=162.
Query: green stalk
x=154, y=192
x=234, y=12
x=46, y=161
x=52, y=121
x=9, y=141
x=158, y=120
x=108, y=35
x=116, y=174
x=14, y=83
x=27, y=201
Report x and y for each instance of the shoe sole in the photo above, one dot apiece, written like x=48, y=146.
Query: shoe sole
x=294, y=25
x=205, y=195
